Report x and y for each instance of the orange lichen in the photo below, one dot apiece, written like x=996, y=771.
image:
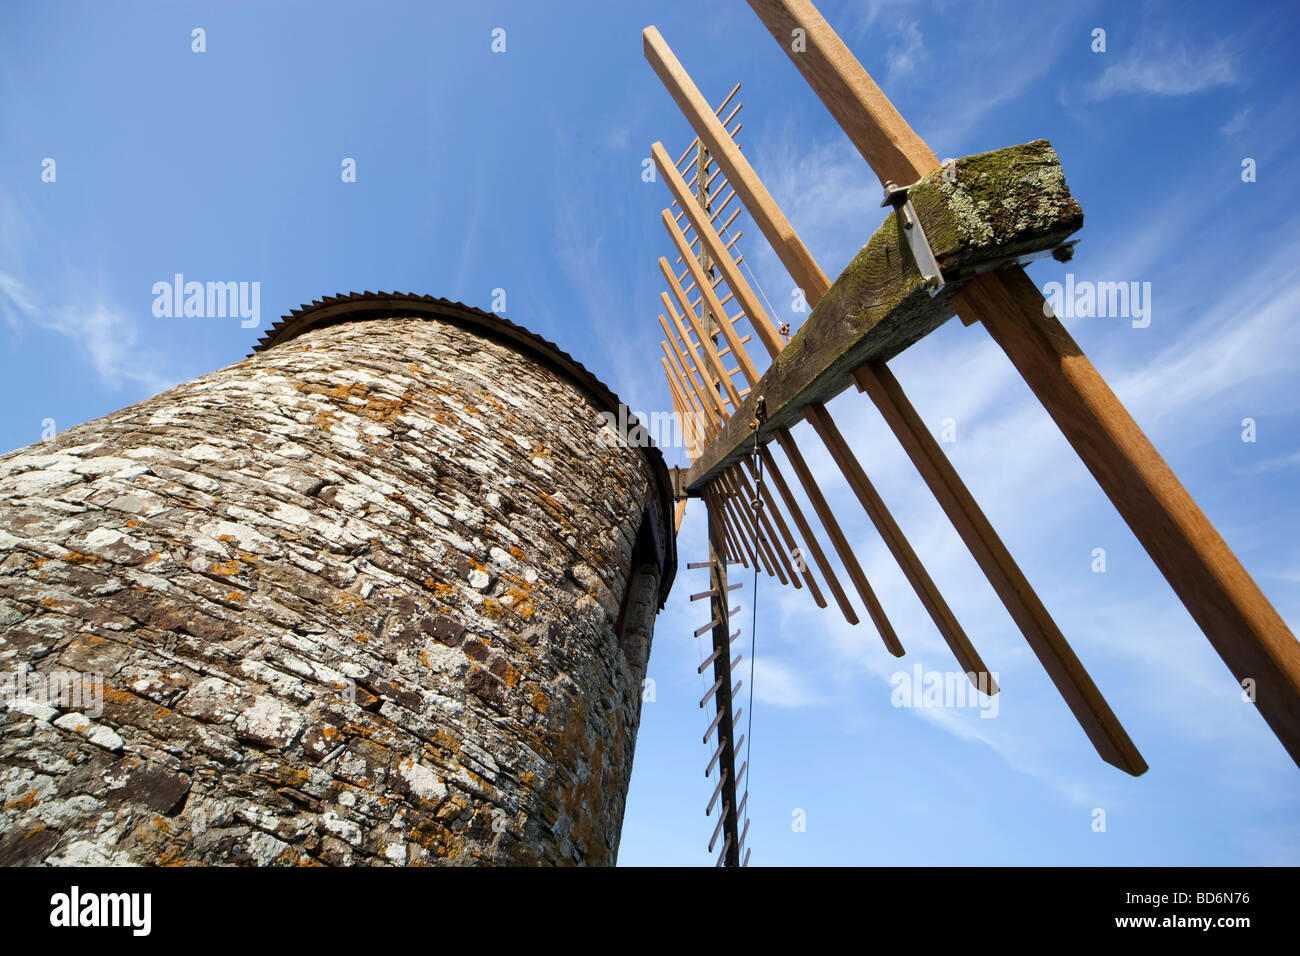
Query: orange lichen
x=75, y=557
x=25, y=802
x=355, y=390
x=384, y=410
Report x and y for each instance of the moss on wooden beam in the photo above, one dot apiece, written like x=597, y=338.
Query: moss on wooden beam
x=979, y=213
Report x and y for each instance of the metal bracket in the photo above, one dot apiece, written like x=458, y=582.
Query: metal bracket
x=897, y=197
x=677, y=476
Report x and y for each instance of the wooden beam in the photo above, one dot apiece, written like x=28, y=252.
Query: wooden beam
x=1220, y=595
x=721, y=639
x=1023, y=604
x=820, y=419
x=1222, y=598
x=706, y=342
x=710, y=297
x=809, y=539
x=883, y=137
x=917, y=576
x=801, y=565
x=856, y=574
x=712, y=133
x=879, y=305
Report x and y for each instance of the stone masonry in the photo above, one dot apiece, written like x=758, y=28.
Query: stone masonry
x=383, y=593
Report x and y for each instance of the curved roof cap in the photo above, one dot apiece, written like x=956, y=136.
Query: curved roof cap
x=358, y=306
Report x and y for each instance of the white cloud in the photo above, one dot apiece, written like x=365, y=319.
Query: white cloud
x=904, y=54
x=779, y=684
x=1237, y=123
x=1157, y=67
x=105, y=335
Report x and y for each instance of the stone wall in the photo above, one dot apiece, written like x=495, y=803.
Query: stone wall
x=374, y=595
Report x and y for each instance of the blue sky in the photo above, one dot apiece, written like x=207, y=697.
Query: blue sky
x=522, y=171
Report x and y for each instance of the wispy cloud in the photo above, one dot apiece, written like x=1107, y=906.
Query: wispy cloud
x=907, y=50
x=780, y=685
x=105, y=335
x=1160, y=67
x=1237, y=123
x=1278, y=463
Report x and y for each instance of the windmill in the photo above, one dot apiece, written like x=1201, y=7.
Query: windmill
x=939, y=252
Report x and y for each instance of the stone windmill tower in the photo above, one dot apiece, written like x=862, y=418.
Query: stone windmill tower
x=381, y=593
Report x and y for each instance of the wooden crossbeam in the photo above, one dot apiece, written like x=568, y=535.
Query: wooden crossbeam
x=974, y=528
x=722, y=721
x=1023, y=604
x=821, y=420
x=1226, y=603
x=879, y=305
x=824, y=513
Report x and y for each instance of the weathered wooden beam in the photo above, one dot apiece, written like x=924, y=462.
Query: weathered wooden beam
x=1223, y=599
x=863, y=111
x=1232, y=611
x=982, y=212
x=722, y=700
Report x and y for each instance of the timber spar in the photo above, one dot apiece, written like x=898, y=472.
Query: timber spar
x=937, y=253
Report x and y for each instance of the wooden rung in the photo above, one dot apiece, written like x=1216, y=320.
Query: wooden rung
x=713, y=591
x=718, y=112
x=722, y=778
x=714, y=725
x=713, y=761
x=726, y=846
x=717, y=684
x=722, y=818
x=708, y=627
